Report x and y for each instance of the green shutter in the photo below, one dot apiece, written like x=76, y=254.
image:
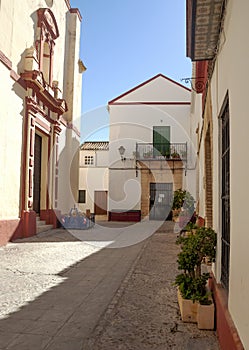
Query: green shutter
x=161, y=140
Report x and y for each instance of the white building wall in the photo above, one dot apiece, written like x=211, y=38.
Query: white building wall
x=11, y=120
x=19, y=20
x=131, y=123
x=194, y=181
x=231, y=74
x=124, y=189
x=93, y=177
x=19, y=34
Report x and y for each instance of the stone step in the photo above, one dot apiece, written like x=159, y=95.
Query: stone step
x=40, y=222
x=43, y=228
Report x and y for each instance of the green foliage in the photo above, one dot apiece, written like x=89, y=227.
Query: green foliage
x=183, y=199
x=192, y=283
x=175, y=155
x=190, y=226
x=194, y=288
x=189, y=202
x=178, y=200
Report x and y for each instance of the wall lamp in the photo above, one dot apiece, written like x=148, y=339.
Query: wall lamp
x=197, y=84
x=121, y=152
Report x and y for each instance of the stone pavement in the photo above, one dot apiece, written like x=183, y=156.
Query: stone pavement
x=72, y=292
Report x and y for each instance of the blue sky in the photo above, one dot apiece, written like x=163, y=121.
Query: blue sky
x=124, y=43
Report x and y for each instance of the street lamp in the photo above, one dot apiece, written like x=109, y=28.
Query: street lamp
x=121, y=152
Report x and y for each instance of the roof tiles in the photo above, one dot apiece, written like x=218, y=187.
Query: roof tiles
x=95, y=146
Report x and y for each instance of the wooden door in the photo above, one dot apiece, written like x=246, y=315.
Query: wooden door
x=37, y=174
x=100, y=202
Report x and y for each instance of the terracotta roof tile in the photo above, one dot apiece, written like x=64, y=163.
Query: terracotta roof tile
x=95, y=146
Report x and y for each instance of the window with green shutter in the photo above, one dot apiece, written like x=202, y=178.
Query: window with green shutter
x=161, y=140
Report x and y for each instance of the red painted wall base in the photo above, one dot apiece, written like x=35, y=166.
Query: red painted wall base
x=7, y=229
x=51, y=216
x=132, y=215
x=26, y=225
x=226, y=330
x=18, y=228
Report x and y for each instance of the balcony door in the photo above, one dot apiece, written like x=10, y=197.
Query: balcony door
x=161, y=140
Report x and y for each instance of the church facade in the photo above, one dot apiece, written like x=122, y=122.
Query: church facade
x=40, y=98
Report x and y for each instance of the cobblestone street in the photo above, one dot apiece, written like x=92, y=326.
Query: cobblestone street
x=144, y=315
x=61, y=293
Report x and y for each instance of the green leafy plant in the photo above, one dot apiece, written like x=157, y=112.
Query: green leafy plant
x=178, y=199
x=191, y=282
x=189, y=202
x=148, y=154
x=191, y=226
x=183, y=199
x=175, y=155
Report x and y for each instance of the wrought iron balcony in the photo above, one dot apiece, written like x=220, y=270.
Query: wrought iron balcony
x=162, y=151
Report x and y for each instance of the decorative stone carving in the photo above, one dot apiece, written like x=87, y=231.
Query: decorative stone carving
x=31, y=60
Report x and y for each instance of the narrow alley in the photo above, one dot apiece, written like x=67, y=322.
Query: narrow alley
x=64, y=292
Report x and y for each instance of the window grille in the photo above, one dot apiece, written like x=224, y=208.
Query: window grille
x=88, y=160
x=225, y=196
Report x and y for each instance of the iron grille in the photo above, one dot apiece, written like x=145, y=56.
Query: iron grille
x=225, y=197
x=157, y=151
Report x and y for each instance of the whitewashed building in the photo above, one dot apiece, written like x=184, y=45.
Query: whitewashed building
x=150, y=153
x=93, y=177
x=217, y=37
x=40, y=108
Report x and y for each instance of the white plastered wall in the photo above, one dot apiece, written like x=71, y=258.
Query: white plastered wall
x=19, y=19
x=93, y=177
x=11, y=119
x=231, y=75
x=132, y=123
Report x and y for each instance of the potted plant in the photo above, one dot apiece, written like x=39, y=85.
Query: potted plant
x=166, y=154
x=182, y=201
x=189, y=229
x=148, y=154
x=193, y=295
x=175, y=155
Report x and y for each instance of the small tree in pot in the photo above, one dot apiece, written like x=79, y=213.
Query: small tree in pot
x=192, y=282
x=183, y=206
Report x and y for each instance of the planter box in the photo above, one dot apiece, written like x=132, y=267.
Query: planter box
x=188, y=308
x=192, y=312
x=205, y=316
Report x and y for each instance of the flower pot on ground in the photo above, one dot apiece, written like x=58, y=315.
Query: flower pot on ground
x=188, y=308
x=205, y=316
x=192, y=283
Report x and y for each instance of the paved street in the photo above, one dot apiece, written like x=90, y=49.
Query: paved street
x=108, y=288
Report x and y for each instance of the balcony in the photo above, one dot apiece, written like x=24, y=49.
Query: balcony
x=167, y=151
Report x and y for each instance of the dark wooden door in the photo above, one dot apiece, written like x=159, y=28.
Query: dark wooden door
x=100, y=202
x=161, y=196
x=37, y=174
